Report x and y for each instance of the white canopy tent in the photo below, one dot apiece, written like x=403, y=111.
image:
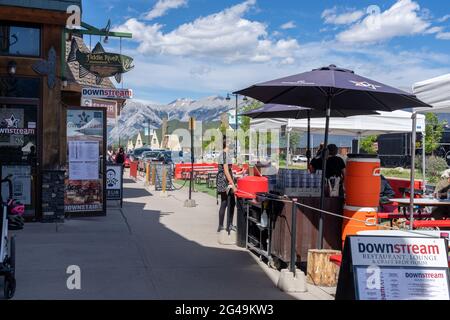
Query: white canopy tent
x=435, y=92
x=385, y=122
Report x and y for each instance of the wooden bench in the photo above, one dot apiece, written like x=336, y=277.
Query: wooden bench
x=393, y=215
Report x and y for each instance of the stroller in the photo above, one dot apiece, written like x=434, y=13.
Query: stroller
x=11, y=218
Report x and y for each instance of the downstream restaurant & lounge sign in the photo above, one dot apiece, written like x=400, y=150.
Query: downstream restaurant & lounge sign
x=89, y=93
x=394, y=268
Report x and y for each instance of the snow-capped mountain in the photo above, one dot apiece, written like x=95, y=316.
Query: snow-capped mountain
x=136, y=114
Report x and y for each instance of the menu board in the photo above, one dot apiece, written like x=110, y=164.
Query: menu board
x=403, y=284
x=85, y=190
x=399, y=268
x=83, y=160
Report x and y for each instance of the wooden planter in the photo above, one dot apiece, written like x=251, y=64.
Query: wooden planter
x=321, y=271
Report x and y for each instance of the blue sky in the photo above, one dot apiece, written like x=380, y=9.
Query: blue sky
x=198, y=48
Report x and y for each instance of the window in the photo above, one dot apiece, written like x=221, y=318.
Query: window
x=20, y=87
x=18, y=40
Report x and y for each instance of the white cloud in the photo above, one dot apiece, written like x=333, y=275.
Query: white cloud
x=332, y=17
x=434, y=30
x=196, y=77
x=288, y=25
x=402, y=19
x=193, y=59
x=162, y=6
x=444, y=18
x=226, y=35
x=443, y=36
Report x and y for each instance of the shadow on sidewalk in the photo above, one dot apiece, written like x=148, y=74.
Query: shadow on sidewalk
x=133, y=254
x=184, y=269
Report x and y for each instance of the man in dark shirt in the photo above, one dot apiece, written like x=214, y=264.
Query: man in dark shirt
x=335, y=164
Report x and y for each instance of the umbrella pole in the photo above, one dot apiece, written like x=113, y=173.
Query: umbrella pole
x=288, y=146
x=424, y=154
x=324, y=167
x=359, y=143
x=413, y=159
x=308, y=147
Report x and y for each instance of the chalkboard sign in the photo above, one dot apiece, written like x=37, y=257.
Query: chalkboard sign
x=394, y=268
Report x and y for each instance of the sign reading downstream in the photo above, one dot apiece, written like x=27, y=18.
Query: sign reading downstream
x=394, y=268
x=107, y=93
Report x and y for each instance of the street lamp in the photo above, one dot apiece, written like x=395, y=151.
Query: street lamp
x=236, y=121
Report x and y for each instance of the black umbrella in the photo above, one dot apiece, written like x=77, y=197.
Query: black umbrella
x=296, y=112
x=332, y=88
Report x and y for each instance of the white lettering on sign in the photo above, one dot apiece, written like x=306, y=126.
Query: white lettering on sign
x=74, y=280
x=74, y=20
x=373, y=277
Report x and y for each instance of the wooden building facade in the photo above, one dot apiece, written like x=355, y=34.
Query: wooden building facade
x=32, y=116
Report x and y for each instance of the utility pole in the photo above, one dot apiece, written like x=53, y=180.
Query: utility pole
x=190, y=203
x=148, y=133
x=236, y=132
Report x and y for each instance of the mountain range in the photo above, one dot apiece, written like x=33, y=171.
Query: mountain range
x=138, y=115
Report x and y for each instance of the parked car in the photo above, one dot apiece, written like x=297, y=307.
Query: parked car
x=299, y=158
x=151, y=155
x=137, y=153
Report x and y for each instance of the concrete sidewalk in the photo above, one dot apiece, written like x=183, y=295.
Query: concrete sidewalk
x=153, y=248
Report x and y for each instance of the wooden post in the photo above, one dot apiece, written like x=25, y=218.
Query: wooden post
x=147, y=174
x=321, y=271
x=153, y=175
x=164, y=179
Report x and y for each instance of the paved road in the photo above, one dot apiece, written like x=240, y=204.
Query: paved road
x=153, y=248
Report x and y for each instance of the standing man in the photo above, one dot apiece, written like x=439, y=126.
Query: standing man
x=120, y=157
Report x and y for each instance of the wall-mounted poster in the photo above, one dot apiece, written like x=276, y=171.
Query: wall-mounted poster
x=13, y=128
x=85, y=189
x=21, y=183
x=111, y=107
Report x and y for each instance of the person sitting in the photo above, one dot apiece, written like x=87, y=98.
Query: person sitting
x=440, y=192
x=386, y=193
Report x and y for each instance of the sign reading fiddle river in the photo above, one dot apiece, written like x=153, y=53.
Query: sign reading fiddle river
x=85, y=184
x=100, y=63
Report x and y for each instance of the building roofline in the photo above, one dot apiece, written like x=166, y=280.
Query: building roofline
x=54, y=5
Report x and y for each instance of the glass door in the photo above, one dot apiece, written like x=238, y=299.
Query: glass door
x=19, y=151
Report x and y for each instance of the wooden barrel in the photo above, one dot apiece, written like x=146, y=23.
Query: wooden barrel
x=362, y=181
x=351, y=227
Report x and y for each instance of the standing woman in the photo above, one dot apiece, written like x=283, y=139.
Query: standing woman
x=226, y=188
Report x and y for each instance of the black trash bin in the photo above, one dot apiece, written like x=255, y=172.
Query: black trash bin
x=241, y=223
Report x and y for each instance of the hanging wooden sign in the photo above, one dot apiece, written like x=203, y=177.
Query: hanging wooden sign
x=100, y=63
